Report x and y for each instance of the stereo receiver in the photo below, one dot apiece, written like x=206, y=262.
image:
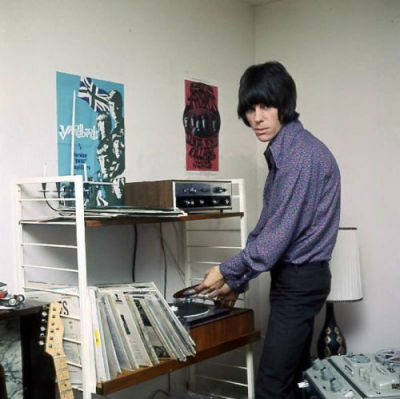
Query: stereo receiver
x=190, y=195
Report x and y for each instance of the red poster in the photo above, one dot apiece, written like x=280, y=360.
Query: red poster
x=202, y=123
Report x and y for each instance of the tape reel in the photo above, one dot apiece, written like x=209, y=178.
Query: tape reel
x=389, y=356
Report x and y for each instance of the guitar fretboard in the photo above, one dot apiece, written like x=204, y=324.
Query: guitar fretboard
x=63, y=380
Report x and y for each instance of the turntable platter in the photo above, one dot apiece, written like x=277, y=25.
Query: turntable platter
x=191, y=309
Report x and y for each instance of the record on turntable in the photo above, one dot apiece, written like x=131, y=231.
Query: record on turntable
x=190, y=309
x=193, y=313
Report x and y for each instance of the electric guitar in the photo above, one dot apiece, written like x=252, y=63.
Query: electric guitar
x=54, y=347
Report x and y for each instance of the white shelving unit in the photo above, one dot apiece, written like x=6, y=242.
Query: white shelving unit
x=208, y=243
x=35, y=201
x=46, y=255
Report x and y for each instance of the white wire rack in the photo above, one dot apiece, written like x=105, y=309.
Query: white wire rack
x=208, y=243
x=37, y=201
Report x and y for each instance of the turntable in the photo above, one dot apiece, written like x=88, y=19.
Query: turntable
x=193, y=313
x=192, y=310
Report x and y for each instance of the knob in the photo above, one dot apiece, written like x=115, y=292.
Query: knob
x=362, y=373
x=317, y=364
x=192, y=190
x=219, y=190
x=187, y=202
x=201, y=202
x=227, y=201
x=336, y=385
x=214, y=201
x=372, y=383
x=326, y=374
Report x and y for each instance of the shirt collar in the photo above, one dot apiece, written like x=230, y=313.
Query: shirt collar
x=276, y=147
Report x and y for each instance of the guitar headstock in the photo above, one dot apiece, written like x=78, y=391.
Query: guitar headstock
x=55, y=331
x=54, y=347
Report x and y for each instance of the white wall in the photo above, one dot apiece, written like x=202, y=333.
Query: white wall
x=151, y=46
x=345, y=57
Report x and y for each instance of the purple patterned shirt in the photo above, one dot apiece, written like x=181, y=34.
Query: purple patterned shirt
x=301, y=208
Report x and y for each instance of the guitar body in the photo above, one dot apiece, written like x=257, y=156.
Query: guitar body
x=3, y=388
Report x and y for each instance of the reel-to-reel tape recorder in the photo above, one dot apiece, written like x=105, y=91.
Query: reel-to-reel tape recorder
x=356, y=376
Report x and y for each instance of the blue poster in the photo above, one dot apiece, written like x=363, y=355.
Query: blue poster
x=91, y=137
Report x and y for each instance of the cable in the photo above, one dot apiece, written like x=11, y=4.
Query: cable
x=165, y=260
x=174, y=258
x=135, y=241
x=165, y=292
x=160, y=391
x=44, y=196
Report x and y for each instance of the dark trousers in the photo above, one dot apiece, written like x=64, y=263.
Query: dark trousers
x=297, y=295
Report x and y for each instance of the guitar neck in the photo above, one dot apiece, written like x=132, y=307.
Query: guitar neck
x=63, y=380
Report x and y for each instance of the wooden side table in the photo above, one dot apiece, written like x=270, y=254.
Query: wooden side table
x=38, y=376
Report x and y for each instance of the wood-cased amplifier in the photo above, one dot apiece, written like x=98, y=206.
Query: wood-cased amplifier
x=184, y=194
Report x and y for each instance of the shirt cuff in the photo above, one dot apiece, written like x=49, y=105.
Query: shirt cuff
x=237, y=286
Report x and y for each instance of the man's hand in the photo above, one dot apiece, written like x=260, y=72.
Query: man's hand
x=213, y=280
x=214, y=284
x=226, y=296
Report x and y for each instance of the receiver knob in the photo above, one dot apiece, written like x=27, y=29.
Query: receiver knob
x=219, y=190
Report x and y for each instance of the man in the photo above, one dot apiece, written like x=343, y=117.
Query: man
x=295, y=234
x=117, y=149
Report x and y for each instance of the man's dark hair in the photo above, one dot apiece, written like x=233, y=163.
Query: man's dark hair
x=116, y=97
x=269, y=84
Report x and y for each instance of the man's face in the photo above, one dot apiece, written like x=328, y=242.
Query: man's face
x=264, y=121
x=115, y=110
x=101, y=126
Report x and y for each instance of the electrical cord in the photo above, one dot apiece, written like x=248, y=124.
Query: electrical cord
x=44, y=196
x=160, y=391
x=174, y=258
x=165, y=261
x=135, y=245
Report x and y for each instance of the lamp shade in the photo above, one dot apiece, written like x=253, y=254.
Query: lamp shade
x=345, y=267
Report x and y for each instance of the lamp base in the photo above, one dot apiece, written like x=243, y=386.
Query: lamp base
x=331, y=340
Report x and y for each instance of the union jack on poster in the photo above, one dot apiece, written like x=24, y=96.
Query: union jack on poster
x=96, y=97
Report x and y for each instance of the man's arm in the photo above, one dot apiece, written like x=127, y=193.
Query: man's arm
x=288, y=205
